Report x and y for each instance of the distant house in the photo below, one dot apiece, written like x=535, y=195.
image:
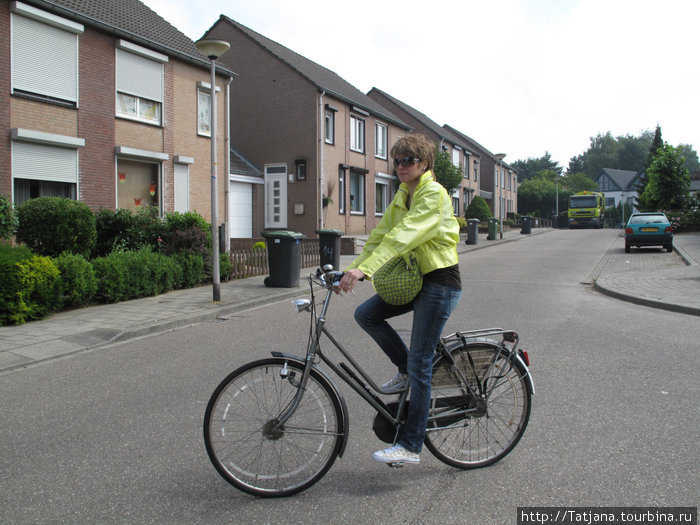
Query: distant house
x=322, y=144
x=447, y=141
x=618, y=186
x=106, y=103
x=499, y=181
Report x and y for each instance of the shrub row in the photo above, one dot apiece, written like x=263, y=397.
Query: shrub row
x=32, y=286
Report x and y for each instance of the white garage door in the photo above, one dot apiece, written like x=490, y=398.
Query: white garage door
x=240, y=210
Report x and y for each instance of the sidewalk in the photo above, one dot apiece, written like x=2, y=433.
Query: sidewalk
x=73, y=331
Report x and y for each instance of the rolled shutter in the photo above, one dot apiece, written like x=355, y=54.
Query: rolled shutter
x=139, y=76
x=42, y=162
x=44, y=59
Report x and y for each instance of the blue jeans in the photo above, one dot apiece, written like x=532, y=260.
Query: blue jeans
x=431, y=309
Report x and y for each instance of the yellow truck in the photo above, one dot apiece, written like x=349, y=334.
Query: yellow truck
x=586, y=208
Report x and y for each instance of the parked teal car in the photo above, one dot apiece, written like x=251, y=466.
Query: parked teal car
x=649, y=229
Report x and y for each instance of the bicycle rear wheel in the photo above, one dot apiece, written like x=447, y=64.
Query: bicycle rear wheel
x=243, y=442
x=472, y=431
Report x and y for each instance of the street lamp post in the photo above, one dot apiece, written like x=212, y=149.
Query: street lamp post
x=500, y=157
x=213, y=49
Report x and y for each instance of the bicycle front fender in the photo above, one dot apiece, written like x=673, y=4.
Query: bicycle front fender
x=343, y=406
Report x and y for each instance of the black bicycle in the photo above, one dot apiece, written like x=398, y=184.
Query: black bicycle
x=274, y=427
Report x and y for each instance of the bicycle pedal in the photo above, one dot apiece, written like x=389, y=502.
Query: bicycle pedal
x=396, y=464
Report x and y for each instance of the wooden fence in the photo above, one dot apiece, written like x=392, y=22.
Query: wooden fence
x=249, y=263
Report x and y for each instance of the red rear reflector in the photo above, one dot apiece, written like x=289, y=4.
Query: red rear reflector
x=524, y=356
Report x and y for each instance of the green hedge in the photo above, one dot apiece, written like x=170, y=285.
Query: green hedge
x=8, y=218
x=77, y=283
x=53, y=225
x=27, y=285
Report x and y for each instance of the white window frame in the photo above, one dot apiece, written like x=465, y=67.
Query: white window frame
x=341, y=190
x=44, y=54
x=382, y=180
x=140, y=83
x=381, y=134
x=455, y=155
x=329, y=126
x=357, y=134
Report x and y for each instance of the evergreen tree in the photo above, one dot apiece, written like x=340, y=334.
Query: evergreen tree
x=643, y=180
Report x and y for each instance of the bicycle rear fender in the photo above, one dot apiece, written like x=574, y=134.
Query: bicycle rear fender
x=346, y=422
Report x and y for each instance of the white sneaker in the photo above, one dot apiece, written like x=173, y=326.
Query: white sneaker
x=397, y=384
x=396, y=454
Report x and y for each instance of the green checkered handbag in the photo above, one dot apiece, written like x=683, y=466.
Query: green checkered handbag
x=399, y=280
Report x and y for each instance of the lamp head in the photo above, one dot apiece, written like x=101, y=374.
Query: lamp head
x=212, y=48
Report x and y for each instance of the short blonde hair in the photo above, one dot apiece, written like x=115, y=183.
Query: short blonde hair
x=415, y=145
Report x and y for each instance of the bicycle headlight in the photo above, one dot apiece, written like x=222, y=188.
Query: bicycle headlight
x=302, y=305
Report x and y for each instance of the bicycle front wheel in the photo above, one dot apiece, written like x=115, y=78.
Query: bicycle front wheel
x=475, y=427
x=247, y=446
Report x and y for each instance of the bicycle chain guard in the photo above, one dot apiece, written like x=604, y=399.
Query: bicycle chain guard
x=383, y=428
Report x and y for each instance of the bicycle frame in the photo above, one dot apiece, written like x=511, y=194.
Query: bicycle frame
x=365, y=385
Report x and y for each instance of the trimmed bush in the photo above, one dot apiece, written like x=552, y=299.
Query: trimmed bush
x=192, y=269
x=146, y=228
x=225, y=266
x=8, y=218
x=110, y=272
x=478, y=209
x=53, y=225
x=113, y=228
x=77, y=283
x=27, y=285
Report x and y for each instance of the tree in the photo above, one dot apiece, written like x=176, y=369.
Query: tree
x=605, y=151
x=643, y=180
x=530, y=168
x=478, y=209
x=576, y=182
x=669, y=182
x=446, y=172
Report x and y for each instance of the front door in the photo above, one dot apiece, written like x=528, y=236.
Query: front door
x=276, y=196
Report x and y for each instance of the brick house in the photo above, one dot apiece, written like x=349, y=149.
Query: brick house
x=499, y=181
x=106, y=103
x=456, y=148
x=291, y=116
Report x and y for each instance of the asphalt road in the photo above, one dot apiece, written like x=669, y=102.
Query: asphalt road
x=114, y=435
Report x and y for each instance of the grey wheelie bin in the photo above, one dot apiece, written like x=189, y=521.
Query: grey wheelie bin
x=284, y=258
x=329, y=247
x=526, y=224
x=472, y=231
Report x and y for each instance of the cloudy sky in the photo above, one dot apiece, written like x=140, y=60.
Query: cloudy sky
x=519, y=76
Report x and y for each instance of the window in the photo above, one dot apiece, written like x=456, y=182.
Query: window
x=44, y=54
x=204, y=112
x=140, y=83
x=455, y=156
x=137, y=184
x=455, y=204
x=330, y=125
x=44, y=165
x=509, y=181
x=357, y=192
x=301, y=169
x=341, y=190
x=466, y=167
x=381, y=193
x=380, y=138
x=357, y=134
x=476, y=172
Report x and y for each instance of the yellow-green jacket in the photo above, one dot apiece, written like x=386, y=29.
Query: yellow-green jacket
x=428, y=227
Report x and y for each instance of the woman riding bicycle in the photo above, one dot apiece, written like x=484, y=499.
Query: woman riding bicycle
x=420, y=219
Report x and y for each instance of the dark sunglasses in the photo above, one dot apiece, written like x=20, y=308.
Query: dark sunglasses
x=406, y=161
